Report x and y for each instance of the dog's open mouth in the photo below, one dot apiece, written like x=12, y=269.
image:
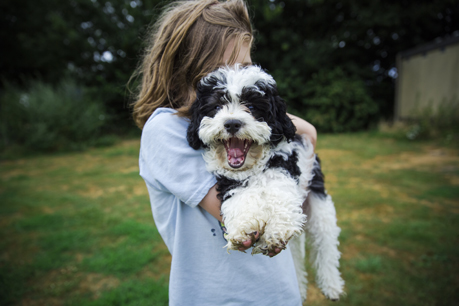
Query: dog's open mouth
x=236, y=151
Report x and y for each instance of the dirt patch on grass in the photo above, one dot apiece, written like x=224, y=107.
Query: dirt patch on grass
x=453, y=179
x=94, y=191
x=68, y=279
x=130, y=170
x=76, y=162
x=349, y=251
x=445, y=205
x=130, y=143
x=41, y=166
x=427, y=159
x=381, y=212
x=314, y=294
x=97, y=283
x=140, y=189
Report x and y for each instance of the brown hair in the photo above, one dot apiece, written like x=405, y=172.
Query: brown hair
x=187, y=42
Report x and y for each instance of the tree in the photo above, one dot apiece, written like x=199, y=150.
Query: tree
x=97, y=42
x=298, y=39
x=100, y=43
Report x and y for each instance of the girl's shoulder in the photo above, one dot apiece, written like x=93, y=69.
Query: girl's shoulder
x=165, y=120
x=165, y=134
x=160, y=115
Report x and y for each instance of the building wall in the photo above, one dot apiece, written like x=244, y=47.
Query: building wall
x=427, y=80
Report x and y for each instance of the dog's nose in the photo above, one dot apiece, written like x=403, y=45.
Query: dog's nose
x=232, y=126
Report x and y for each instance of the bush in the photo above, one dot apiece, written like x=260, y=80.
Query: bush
x=47, y=118
x=338, y=103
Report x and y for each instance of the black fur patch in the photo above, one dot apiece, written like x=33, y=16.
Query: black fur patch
x=299, y=139
x=270, y=108
x=225, y=185
x=208, y=102
x=317, y=184
x=291, y=164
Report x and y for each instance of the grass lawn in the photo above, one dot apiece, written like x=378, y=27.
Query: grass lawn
x=77, y=228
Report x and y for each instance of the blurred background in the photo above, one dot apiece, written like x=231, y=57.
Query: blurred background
x=378, y=79
x=335, y=62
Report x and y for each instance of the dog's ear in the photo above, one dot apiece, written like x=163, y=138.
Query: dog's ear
x=282, y=124
x=195, y=121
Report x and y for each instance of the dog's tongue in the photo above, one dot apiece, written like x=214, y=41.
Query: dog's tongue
x=235, y=151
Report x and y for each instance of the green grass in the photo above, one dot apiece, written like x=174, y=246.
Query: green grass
x=77, y=228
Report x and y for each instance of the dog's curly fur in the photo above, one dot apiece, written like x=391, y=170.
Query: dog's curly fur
x=265, y=172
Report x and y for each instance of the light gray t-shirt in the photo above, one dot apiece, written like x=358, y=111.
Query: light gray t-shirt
x=202, y=272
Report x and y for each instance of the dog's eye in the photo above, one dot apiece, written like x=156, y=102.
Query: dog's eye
x=249, y=109
x=218, y=107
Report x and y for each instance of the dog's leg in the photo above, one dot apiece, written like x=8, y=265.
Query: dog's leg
x=323, y=234
x=243, y=217
x=282, y=199
x=297, y=247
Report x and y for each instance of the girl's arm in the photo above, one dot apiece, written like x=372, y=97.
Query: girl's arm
x=304, y=128
x=212, y=204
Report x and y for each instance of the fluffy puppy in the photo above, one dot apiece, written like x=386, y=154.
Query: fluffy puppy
x=265, y=172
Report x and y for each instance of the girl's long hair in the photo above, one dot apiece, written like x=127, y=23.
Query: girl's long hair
x=186, y=43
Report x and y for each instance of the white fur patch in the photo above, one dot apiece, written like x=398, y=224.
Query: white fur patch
x=238, y=77
x=212, y=129
x=323, y=233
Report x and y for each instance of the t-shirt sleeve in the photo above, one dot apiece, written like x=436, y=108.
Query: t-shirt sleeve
x=169, y=164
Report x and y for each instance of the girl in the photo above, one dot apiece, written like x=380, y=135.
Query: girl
x=191, y=39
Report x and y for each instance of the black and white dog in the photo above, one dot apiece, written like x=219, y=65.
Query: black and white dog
x=265, y=172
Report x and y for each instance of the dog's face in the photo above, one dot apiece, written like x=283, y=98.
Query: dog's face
x=238, y=114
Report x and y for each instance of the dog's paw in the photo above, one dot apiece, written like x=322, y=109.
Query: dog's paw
x=331, y=287
x=269, y=249
x=333, y=294
x=275, y=239
x=243, y=235
x=242, y=242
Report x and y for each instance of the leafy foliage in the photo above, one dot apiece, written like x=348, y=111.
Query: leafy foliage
x=45, y=118
x=338, y=103
x=298, y=39
x=99, y=42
